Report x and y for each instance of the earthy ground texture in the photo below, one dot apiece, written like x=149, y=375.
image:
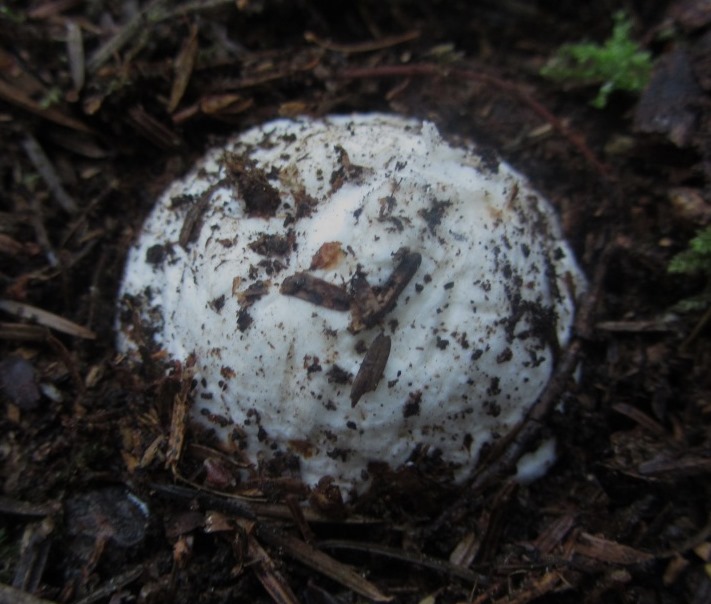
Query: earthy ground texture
x=108, y=495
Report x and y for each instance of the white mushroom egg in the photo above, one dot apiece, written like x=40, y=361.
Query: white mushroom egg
x=353, y=289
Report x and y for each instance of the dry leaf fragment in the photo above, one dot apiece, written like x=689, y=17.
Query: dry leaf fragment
x=218, y=522
x=329, y=255
x=674, y=569
x=183, y=550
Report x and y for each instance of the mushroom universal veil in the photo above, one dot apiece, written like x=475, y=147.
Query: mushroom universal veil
x=351, y=290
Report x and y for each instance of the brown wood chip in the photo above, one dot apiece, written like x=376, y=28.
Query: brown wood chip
x=553, y=535
x=610, y=552
x=365, y=303
x=192, y=224
x=369, y=308
x=371, y=369
x=178, y=424
x=252, y=293
x=317, y=291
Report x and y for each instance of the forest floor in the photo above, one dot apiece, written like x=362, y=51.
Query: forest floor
x=103, y=103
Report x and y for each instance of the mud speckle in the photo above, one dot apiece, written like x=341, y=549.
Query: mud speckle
x=260, y=197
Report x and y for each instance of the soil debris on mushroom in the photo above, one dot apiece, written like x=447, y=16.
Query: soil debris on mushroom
x=445, y=287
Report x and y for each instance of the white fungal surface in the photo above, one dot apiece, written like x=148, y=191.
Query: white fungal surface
x=287, y=263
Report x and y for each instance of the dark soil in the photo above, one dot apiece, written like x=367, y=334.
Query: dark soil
x=102, y=502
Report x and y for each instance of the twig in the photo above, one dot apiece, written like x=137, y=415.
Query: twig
x=433, y=70
x=361, y=47
x=494, y=521
x=321, y=562
x=51, y=8
x=183, y=68
x=17, y=507
x=296, y=548
x=416, y=559
x=46, y=170
x=16, y=97
x=75, y=54
x=135, y=26
x=228, y=505
x=248, y=507
x=46, y=318
x=22, y=332
x=41, y=231
x=169, y=12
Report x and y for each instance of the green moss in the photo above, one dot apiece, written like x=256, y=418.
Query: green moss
x=696, y=259
x=11, y=14
x=692, y=261
x=618, y=64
